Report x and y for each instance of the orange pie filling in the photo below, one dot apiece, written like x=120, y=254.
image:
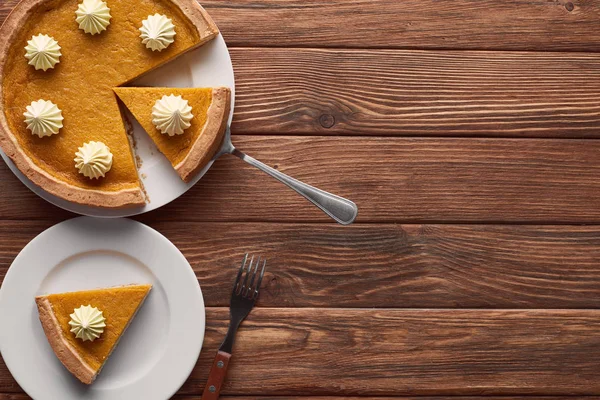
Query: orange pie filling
x=140, y=102
x=118, y=305
x=82, y=83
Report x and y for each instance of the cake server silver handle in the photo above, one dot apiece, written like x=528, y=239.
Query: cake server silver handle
x=340, y=209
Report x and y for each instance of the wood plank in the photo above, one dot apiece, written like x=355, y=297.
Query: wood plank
x=416, y=93
x=25, y=204
x=466, y=24
x=185, y=397
x=408, y=266
x=13, y=396
x=403, y=352
x=7, y=382
x=391, y=179
x=410, y=24
x=404, y=180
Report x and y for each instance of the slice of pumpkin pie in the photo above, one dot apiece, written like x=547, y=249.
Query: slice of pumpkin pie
x=186, y=124
x=84, y=327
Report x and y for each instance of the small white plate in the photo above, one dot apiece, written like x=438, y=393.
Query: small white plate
x=160, y=347
x=207, y=66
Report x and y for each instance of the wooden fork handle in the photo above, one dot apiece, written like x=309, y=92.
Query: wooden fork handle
x=216, y=377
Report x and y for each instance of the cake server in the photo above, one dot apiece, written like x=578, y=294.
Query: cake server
x=340, y=209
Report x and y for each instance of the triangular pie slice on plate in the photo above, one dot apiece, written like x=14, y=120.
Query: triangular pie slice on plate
x=85, y=359
x=190, y=151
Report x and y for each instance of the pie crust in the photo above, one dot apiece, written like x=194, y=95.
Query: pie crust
x=129, y=196
x=210, y=137
x=64, y=350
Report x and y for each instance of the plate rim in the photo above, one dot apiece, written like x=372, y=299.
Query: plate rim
x=119, y=222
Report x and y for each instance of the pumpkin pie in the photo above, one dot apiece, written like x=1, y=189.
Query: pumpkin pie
x=191, y=150
x=92, y=62
x=85, y=359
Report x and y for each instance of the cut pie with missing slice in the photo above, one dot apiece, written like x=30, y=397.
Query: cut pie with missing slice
x=193, y=147
x=88, y=66
x=85, y=358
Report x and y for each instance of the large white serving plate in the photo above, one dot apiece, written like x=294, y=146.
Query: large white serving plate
x=207, y=66
x=160, y=347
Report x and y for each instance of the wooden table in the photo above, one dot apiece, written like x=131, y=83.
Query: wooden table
x=467, y=133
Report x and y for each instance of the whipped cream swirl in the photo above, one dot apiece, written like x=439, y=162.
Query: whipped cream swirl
x=42, y=51
x=172, y=115
x=93, y=160
x=43, y=118
x=158, y=32
x=87, y=323
x=93, y=16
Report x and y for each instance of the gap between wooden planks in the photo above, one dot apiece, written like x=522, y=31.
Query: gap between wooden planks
x=407, y=266
x=403, y=352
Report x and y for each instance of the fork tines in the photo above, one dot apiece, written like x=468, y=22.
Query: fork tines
x=245, y=289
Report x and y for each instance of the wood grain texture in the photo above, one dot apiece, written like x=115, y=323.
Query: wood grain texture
x=410, y=24
x=452, y=300
x=403, y=352
x=408, y=266
x=416, y=93
x=465, y=24
x=403, y=180
x=391, y=179
x=13, y=396
x=404, y=266
x=6, y=7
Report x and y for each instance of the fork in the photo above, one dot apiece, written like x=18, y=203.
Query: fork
x=243, y=297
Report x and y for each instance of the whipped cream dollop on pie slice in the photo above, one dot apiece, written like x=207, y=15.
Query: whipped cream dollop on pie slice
x=172, y=115
x=87, y=323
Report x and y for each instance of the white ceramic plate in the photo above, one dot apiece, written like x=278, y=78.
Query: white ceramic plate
x=160, y=347
x=207, y=66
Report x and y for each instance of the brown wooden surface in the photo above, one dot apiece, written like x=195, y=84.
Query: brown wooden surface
x=416, y=93
x=467, y=133
x=391, y=179
x=372, y=265
x=10, y=396
x=404, y=352
x=466, y=24
x=411, y=24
